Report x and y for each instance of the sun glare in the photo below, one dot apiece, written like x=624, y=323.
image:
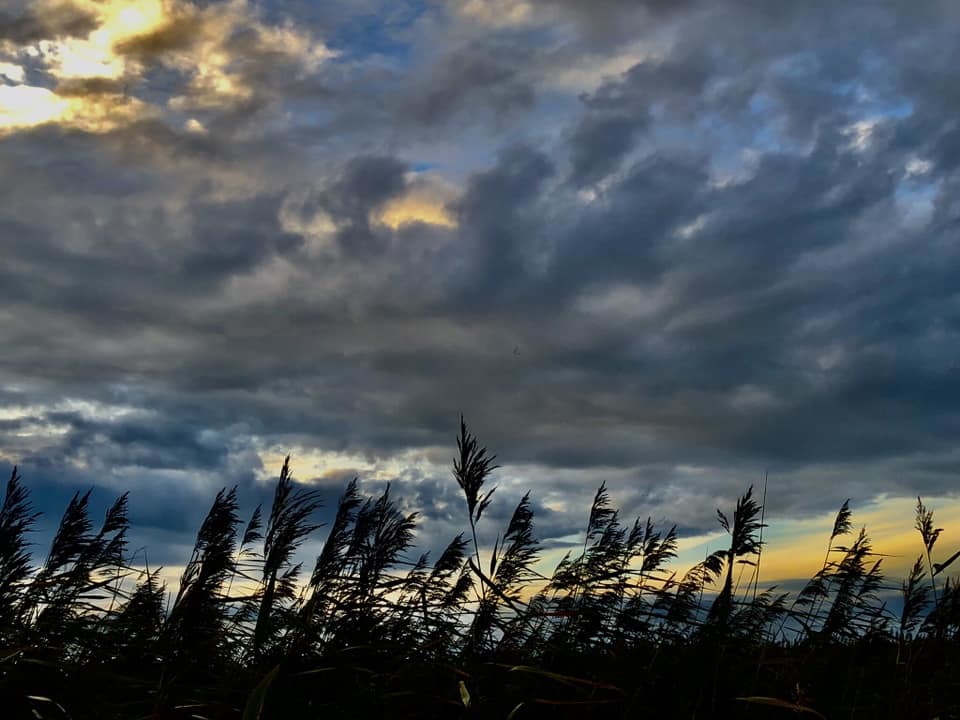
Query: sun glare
x=58, y=87
x=23, y=106
x=96, y=56
x=130, y=19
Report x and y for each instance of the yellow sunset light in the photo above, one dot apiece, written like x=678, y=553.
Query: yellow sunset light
x=413, y=209
x=129, y=19
x=80, y=59
x=126, y=39
x=103, y=113
x=23, y=106
x=95, y=56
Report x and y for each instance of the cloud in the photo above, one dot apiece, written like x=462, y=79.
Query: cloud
x=45, y=20
x=427, y=199
x=669, y=248
x=483, y=77
x=214, y=55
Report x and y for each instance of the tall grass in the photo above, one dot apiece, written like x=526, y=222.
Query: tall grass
x=378, y=629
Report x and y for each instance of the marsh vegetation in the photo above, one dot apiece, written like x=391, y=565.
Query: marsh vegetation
x=375, y=629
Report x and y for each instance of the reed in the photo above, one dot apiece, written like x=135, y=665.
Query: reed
x=477, y=632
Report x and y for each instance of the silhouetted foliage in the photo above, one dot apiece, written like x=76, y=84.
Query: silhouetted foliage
x=478, y=632
x=16, y=520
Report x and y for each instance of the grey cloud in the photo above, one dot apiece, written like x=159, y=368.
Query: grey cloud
x=366, y=183
x=180, y=33
x=599, y=143
x=744, y=290
x=153, y=442
x=628, y=235
x=484, y=79
x=64, y=19
x=234, y=237
x=498, y=217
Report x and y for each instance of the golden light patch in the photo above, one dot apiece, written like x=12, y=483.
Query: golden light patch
x=128, y=37
x=104, y=113
x=413, y=209
x=129, y=19
x=215, y=80
x=426, y=199
x=799, y=551
x=95, y=56
x=795, y=549
x=23, y=106
x=74, y=59
x=338, y=467
x=317, y=465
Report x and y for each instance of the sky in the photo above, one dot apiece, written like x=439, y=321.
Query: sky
x=672, y=246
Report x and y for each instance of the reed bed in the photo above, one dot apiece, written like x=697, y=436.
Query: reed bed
x=374, y=629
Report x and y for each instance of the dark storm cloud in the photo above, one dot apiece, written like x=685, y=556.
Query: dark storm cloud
x=128, y=274
x=486, y=79
x=21, y=25
x=498, y=217
x=180, y=32
x=234, y=237
x=738, y=255
x=628, y=236
x=146, y=443
x=599, y=143
x=364, y=185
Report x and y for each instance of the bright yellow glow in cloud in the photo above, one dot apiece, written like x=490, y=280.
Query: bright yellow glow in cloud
x=104, y=113
x=426, y=200
x=416, y=208
x=74, y=59
x=327, y=467
x=23, y=106
x=129, y=19
x=95, y=56
x=130, y=37
x=214, y=78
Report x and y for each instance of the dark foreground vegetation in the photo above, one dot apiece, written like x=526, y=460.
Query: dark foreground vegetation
x=376, y=631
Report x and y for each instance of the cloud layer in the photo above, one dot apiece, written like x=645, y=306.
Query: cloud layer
x=666, y=245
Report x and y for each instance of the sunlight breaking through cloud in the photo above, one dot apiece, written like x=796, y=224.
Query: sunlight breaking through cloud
x=96, y=81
